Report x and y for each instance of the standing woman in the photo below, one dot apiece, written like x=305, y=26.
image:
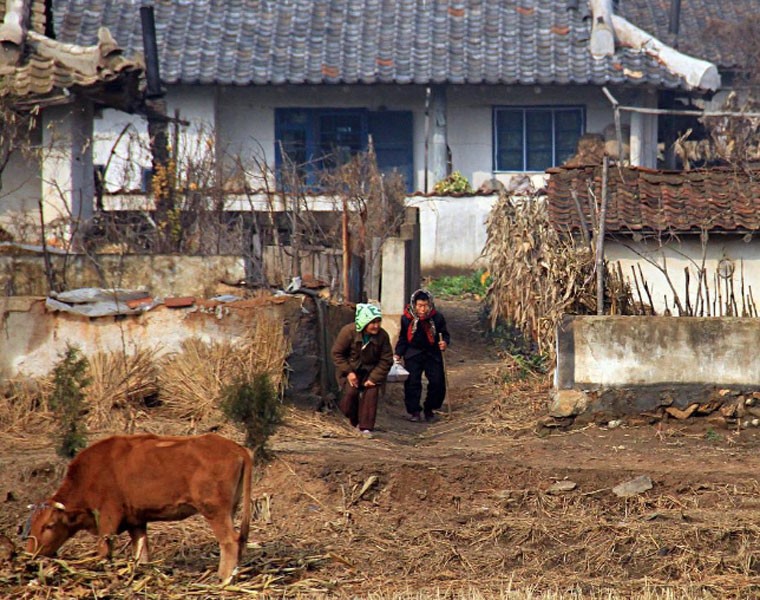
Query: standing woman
x=421, y=341
x=363, y=355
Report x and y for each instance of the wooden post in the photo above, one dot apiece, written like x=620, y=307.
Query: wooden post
x=346, y=254
x=600, y=239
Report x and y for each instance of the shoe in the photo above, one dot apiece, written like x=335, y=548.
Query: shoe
x=367, y=433
x=430, y=416
x=415, y=418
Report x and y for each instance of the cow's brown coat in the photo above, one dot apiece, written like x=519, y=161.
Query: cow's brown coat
x=123, y=482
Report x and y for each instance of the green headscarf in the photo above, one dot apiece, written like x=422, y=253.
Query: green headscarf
x=365, y=314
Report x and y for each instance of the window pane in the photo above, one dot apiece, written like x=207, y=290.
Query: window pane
x=392, y=134
x=569, y=125
x=509, y=140
x=340, y=137
x=538, y=125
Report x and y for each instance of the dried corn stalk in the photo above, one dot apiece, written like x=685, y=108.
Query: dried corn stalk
x=539, y=275
x=23, y=404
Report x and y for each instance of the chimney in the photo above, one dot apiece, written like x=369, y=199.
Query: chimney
x=151, y=52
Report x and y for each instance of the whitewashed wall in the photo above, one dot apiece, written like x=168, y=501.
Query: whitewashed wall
x=452, y=232
x=121, y=140
x=244, y=119
x=739, y=255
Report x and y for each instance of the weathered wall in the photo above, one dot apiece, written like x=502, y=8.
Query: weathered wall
x=633, y=364
x=161, y=275
x=33, y=339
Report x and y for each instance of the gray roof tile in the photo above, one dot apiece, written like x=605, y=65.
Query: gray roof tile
x=262, y=42
x=699, y=23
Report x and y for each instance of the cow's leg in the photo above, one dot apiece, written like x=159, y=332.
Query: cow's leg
x=224, y=531
x=108, y=526
x=140, y=549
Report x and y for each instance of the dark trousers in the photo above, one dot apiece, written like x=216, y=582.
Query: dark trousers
x=360, y=405
x=432, y=366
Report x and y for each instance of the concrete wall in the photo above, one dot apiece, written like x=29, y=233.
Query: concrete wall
x=453, y=232
x=633, y=364
x=34, y=339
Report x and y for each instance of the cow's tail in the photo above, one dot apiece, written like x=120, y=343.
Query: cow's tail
x=246, y=512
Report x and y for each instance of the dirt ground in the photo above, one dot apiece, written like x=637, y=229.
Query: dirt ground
x=465, y=507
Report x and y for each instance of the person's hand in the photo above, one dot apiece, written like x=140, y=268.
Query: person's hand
x=442, y=345
x=353, y=380
x=369, y=383
x=396, y=358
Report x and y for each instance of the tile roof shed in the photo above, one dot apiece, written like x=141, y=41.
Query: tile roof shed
x=270, y=42
x=718, y=200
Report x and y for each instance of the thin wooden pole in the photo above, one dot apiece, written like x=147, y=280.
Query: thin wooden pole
x=600, y=240
x=346, y=254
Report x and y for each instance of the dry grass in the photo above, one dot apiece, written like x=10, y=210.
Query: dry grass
x=23, y=405
x=119, y=381
x=191, y=381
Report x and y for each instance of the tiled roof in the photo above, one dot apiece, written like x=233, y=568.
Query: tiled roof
x=265, y=42
x=35, y=68
x=697, y=25
x=644, y=200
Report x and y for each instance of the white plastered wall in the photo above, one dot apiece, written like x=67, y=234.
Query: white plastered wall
x=244, y=119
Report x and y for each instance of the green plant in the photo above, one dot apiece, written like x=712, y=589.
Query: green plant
x=456, y=183
x=712, y=436
x=68, y=401
x=459, y=285
x=254, y=404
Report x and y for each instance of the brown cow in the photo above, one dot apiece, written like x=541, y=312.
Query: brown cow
x=123, y=482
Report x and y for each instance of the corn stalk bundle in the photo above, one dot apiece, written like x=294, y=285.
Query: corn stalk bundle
x=23, y=404
x=537, y=275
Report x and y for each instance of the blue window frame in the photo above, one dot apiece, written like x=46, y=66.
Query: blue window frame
x=535, y=138
x=315, y=139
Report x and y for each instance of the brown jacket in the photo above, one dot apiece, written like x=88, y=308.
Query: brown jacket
x=373, y=361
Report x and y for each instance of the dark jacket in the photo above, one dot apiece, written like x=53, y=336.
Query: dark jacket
x=369, y=361
x=420, y=342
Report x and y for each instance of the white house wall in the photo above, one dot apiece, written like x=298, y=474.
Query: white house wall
x=128, y=155
x=244, y=118
x=20, y=192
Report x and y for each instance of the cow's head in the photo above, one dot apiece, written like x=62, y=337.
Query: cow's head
x=46, y=529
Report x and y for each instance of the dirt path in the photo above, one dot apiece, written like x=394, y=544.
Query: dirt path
x=468, y=502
